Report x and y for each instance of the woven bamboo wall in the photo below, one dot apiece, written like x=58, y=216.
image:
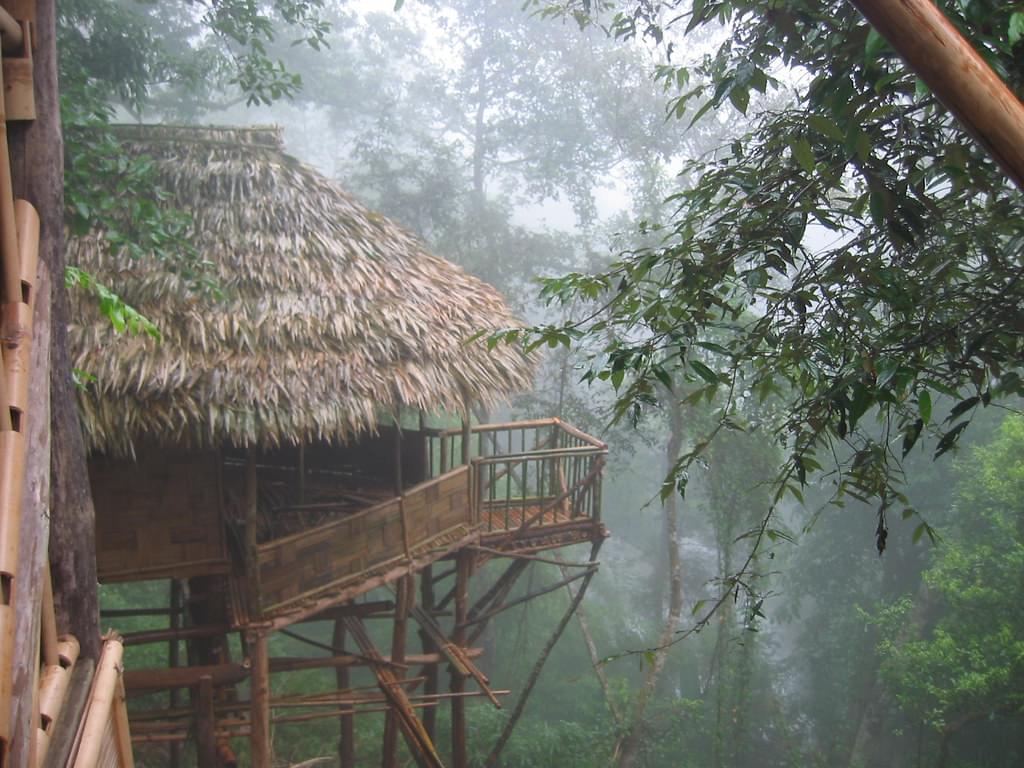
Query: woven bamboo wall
x=301, y=565
x=158, y=517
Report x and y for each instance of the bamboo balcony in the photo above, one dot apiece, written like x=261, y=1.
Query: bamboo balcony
x=515, y=487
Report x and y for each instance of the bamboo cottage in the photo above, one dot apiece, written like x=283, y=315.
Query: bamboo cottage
x=271, y=457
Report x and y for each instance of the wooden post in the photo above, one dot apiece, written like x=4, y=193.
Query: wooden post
x=206, y=725
x=428, y=645
x=260, y=745
x=252, y=524
x=347, y=725
x=302, y=473
x=174, y=660
x=957, y=74
x=460, y=758
x=406, y=597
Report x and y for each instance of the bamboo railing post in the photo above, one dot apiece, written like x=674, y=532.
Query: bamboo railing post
x=346, y=725
x=460, y=758
x=957, y=74
x=260, y=745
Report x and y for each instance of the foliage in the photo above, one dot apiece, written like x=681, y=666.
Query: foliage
x=851, y=252
x=969, y=663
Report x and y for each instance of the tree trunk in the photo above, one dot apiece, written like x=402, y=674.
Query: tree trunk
x=629, y=745
x=38, y=170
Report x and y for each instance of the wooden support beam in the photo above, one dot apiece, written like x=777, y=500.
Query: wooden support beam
x=430, y=672
x=460, y=755
x=173, y=660
x=420, y=745
x=510, y=724
x=174, y=634
x=261, y=751
x=519, y=600
x=252, y=525
x=346, y=724
x=957, y=75
x=405, y=602
x=206, y=725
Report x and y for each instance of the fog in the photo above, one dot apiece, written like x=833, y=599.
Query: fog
x=518, y=147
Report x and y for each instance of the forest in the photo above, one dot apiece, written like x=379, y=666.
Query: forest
x=754, y=254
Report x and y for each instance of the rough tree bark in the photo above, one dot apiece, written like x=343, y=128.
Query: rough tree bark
x=39, y=178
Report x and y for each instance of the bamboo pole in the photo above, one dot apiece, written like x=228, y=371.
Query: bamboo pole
x=460, y=755
x=206, y=725
x=406, y=597
x=48, y=622
x=957, y=75
x=174, y=659
x=510, y=724
x=346, y=723
x=99, y=709
x=53, y=691
x=15, y=328
x=252, y=521
x=260, y=744
x=430, y=672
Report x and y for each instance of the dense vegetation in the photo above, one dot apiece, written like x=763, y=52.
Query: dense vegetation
x=798, y=303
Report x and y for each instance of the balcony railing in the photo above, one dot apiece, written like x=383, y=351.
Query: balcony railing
x=525, y=474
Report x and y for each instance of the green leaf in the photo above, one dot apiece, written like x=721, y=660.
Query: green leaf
x=1016, y=28
x=803, y=154
x=740, y=98
x=873, y=45
x=924, y=406
x=826, y=127
x=705, y=373
x=949, y=439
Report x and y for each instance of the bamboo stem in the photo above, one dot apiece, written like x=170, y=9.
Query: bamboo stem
x=957, y=74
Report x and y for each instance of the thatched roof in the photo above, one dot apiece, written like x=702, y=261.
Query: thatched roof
x=330, y=316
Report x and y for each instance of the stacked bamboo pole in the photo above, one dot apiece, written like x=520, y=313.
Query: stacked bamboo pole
x=19, y=254
x=103, y=737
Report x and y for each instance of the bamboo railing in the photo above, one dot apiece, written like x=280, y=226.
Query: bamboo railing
x=526, y=473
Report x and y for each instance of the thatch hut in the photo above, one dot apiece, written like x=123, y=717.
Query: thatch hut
x=265, y=452
x=303, y=325
x=320, y=317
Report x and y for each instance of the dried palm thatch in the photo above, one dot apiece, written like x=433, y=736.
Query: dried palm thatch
x=329, y=317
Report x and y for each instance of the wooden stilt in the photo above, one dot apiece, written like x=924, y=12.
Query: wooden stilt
x=260, y=745
x=460, y=758
x=420, y=745
x=173, y=661
x=427, y=644
x=406, y=597
x=495, y=597
x=206, y=725
x=347, y=724
x=252, y=525
x=506, y=733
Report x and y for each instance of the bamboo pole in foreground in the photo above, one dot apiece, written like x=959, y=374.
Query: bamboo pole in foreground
x=957, y=74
